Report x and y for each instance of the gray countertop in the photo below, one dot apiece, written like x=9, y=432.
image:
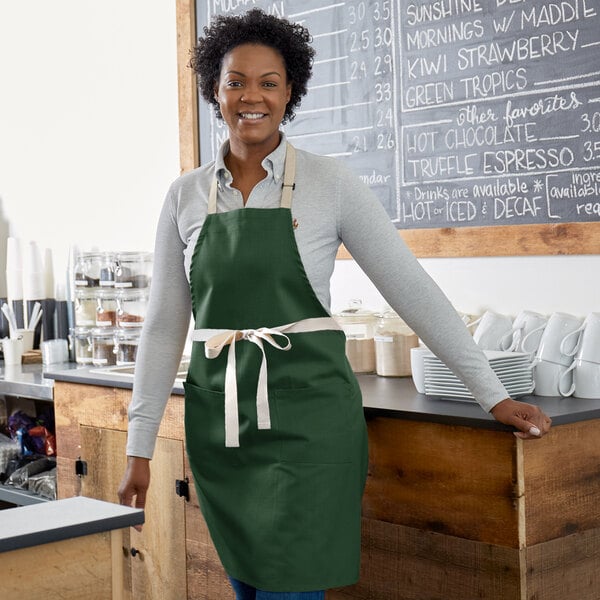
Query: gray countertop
x=386, y=396
x=27, y=381
x=397, y=397
x=27, y=526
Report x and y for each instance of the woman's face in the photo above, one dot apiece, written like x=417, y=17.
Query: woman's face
x=252, y=93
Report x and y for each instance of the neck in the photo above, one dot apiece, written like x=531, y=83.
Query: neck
x=248, y=158
x=243, y=164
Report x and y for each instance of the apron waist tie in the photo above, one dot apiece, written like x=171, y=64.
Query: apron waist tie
x=217, y=339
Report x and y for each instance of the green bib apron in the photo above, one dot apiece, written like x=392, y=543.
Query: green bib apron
x=275, y=431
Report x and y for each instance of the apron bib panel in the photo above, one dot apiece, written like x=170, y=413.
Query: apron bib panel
x=283, y=508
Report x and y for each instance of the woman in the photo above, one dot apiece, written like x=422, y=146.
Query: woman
x=274, y=423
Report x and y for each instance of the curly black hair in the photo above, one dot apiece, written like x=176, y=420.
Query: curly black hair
x=291, y=40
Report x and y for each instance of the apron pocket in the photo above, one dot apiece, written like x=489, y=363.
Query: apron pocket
x=320, y=425
x=204, y=420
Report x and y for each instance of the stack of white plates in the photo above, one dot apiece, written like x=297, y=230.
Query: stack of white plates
x=514, y=369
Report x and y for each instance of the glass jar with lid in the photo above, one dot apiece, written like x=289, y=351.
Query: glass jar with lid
x=358, y=324
x=131, y=307
x=87, y=270
x=133, y=269
x=104, y=350
x=107, y=270
x=106, y=308
x=81, y=338
x=85, y=307
x=393, y=342
x=127, y=341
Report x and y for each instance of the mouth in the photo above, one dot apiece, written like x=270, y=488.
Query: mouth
x=248, y=116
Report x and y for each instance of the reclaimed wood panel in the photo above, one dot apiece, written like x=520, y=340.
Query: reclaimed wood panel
x=158, y=570
x=562, y=474
x=189, y=148
x=74, y=569
x=567, y=568
x=513, y=240
x=404, y=563
x=446, y=479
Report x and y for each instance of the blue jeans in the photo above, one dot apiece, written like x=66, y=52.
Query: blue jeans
x=244, y=591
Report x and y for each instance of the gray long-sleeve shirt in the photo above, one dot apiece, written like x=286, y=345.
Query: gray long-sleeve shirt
x=331, y=206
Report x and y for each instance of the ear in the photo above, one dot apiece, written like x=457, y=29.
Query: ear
x=288, y=92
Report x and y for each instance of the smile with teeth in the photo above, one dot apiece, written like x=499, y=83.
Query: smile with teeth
x=252, y=116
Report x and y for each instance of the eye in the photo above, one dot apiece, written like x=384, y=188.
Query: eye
x=233, y=84
x=269, y=84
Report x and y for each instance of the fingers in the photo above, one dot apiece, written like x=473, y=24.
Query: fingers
x=126, y=496
x=533, y=424
x=140, y=499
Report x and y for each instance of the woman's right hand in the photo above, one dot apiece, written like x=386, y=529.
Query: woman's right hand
x=135, y=483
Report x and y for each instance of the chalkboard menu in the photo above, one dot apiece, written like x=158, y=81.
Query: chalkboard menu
x=457, y=113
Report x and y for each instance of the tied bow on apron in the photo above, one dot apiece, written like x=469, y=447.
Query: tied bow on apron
x=216, y=339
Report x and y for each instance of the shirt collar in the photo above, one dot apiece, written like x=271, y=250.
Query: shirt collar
x=273, y=163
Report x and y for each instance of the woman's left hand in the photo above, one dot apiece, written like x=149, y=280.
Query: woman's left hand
x=530, y=420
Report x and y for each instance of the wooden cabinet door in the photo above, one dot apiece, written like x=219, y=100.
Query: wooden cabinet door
x=156, y=554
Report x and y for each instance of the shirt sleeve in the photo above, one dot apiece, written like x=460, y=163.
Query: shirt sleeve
x=369, y=235
x=163, y=335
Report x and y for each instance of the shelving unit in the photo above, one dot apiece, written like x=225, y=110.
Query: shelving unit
x=24, y=381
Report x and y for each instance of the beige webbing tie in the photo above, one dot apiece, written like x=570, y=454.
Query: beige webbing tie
x=289, y=174
x=216, y=340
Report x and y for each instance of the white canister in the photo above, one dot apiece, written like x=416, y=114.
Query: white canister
x=393, y=342
x=358, y=325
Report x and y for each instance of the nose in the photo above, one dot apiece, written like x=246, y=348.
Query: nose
x=251, y=95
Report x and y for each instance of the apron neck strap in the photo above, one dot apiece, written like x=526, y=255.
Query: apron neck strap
x=289, y=175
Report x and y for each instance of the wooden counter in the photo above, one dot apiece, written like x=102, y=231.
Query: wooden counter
x=64, y=550
x=455, y=507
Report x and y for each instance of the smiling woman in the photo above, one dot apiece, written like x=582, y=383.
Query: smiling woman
x=275, y=430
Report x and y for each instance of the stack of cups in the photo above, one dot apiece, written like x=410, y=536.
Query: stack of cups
x=14, y=278
x=585, y=369
x=555, y=353
x=34, y=284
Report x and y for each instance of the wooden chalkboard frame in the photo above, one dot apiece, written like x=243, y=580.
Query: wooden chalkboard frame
x=508, y=240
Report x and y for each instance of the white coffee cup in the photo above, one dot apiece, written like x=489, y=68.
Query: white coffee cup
x=13, y=350
x=587, y=344
x=27, y=336
x=491, y=328
x=547, y=377
x=417, y=366
x=557, y=343
x=585, y=380
x=526, y=332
